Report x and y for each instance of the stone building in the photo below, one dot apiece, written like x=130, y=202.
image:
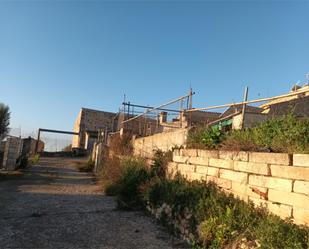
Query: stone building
x=29, y=146
x=297, y=105
x=88, y=123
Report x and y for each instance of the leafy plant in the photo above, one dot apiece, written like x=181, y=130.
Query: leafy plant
x=205, y=137
x=128, y=186
x=160, y=161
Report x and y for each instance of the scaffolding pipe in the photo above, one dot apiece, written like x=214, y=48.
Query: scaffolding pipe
x=158, y=107
x=248, y=102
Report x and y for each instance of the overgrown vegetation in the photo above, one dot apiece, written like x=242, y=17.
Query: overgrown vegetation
x=200, y=212
x=34, y=160
x=85, y=166
x=201, y=137
x=4, y=120
x=121, y=145
x=285, y=134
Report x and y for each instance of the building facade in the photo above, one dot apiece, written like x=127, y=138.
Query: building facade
x=88, y=123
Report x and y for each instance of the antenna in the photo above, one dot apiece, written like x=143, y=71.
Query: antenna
x=307, y=76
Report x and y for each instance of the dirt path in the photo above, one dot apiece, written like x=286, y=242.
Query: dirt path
x=53, y=206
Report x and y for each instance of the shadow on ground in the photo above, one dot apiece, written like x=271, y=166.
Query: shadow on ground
x=53, y=206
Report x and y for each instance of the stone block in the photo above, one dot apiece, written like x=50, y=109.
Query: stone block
x=294, y=199
x=270, y=182
x=182, y=168
x=176, y=152
x=201, y=169
x=290, y=172
x=301, y=216
x=240, y=196
x=271, y=158
x=233, y=175
x=256, y=168
x=208, y=153
x=301, y=160
x=234, y=155
x=281, y=210
x=258, y=202
x=221, y=163
x=196, y=177
x=199, y=161
x=180, y=159
x=255, y=192
x=189, y=152
x=172, y=169
x=222, y=183
x=213, y=171
x=301, y=187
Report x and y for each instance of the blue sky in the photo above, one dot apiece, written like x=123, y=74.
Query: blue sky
x=56, y=57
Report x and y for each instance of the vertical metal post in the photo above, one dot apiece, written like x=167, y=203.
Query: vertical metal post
x=37, y=141
x=190, y=98
x=244, y=108
x=190, y=106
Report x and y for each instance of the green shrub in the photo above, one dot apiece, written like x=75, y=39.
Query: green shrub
x=34, y=160
x=218, y=220
x=160, y=161
x=285, y=134
x=208, y=137
x=128, y=186
x=200, y=212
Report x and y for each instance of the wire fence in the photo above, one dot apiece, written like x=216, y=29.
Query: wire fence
x=53, y=142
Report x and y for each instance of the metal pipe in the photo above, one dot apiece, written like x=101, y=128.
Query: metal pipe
x=152, y=109
x=244, y=108
x=147, y=107
x=248, y=102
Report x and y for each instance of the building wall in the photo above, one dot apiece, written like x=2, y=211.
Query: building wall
x=29, y=146
x=299, y=107
x=146, y=146
x=91, y=120
x=250, y=120
x=277, y=181
x=76, y=128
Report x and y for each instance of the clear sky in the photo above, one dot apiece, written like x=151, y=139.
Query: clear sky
x=59, y=56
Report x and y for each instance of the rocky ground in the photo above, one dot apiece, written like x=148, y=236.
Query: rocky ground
x=52, y=206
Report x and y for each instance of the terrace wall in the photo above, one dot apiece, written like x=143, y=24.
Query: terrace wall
x=146, y=146
x=277, y=181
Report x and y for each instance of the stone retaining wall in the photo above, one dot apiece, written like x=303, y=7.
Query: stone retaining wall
x=278, y=181
x=165, y=141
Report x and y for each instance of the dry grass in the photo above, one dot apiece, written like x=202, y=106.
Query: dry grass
x=121, y=145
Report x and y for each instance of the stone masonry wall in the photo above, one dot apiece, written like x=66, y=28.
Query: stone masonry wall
x=164, y=141
x=277, y=181
x=12, y=151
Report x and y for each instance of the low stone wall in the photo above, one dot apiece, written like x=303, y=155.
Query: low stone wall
x=146, y=146
x=277, y=181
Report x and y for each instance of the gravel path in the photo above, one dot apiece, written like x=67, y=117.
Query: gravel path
x=53, y=206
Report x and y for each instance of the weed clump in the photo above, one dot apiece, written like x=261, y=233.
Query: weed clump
x=285, y=134
x=86, y=167
x=200, y=212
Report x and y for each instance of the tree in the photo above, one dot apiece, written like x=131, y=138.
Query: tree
x=4, y=120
